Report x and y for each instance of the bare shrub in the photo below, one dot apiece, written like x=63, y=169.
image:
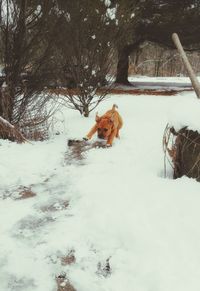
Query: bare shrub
x=26, y=31
x=88, y=57
x=36, y=119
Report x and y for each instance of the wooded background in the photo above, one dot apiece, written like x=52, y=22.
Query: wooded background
x=84, y=45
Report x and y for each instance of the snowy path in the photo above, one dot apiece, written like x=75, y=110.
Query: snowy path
x=115, y=205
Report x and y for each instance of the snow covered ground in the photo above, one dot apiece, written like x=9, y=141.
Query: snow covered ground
x=115, y=205
x=160, y=79
x=161, y=84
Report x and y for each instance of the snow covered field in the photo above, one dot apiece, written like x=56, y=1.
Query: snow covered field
x=114, y=205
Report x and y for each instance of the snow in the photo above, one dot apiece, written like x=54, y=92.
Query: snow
x=111, y=13
x=132, y=15
x=187, y=114
x=107, y=3
x=185, y=80
x=120, y=205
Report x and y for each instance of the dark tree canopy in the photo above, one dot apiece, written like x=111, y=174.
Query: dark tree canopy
x=156, y=21
x=52, y=41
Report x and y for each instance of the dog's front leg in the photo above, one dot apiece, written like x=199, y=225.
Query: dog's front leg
x=92, y=131
x=111, y=137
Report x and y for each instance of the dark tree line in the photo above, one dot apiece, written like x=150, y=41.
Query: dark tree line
x=73, y=43
x=156, y=21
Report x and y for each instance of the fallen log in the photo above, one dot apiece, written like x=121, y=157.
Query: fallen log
x=10, y=132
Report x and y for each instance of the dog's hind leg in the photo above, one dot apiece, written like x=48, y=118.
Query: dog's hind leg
x=117, y=133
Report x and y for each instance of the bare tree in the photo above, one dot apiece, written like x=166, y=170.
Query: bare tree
x=26, y=31
x=86, y=52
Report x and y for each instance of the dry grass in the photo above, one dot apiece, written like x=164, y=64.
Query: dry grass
x=35, y=128
x=133, y=91
x=143, y=92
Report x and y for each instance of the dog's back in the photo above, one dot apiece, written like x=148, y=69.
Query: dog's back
x=115, y=116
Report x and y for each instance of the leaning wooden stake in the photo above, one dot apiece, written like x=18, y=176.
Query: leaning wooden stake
x=193, y=78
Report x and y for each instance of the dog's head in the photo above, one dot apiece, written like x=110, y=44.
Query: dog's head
x=104, y=127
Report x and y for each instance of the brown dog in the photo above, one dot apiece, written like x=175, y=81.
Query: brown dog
x=107, y=126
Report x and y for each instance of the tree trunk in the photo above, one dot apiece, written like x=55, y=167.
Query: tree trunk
x=86, y=110
x=6, y=104
x=122, y=67
x=123, y=62
x=8, y=131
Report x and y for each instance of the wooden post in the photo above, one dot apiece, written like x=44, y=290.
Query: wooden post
x=193, y=78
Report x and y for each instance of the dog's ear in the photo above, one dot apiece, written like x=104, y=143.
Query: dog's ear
x=112, y=118
x=97, y=117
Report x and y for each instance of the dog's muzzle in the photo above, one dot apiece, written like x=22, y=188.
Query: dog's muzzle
x=101, y=136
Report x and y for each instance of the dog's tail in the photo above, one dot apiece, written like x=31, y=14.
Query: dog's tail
x=114, y=107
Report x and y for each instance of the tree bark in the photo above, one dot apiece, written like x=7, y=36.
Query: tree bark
x=122, y=67
x=123, y=62
x=6, y=104
x=86, y=110
x=8, y=131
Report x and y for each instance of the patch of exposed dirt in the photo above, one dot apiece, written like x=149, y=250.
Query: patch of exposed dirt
x=68, y=259
x=56, y=206
x=18, y=193
x=78, y=148
x=131, y=91
x=146, y=92
x=63, y=284
x=25, y=193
